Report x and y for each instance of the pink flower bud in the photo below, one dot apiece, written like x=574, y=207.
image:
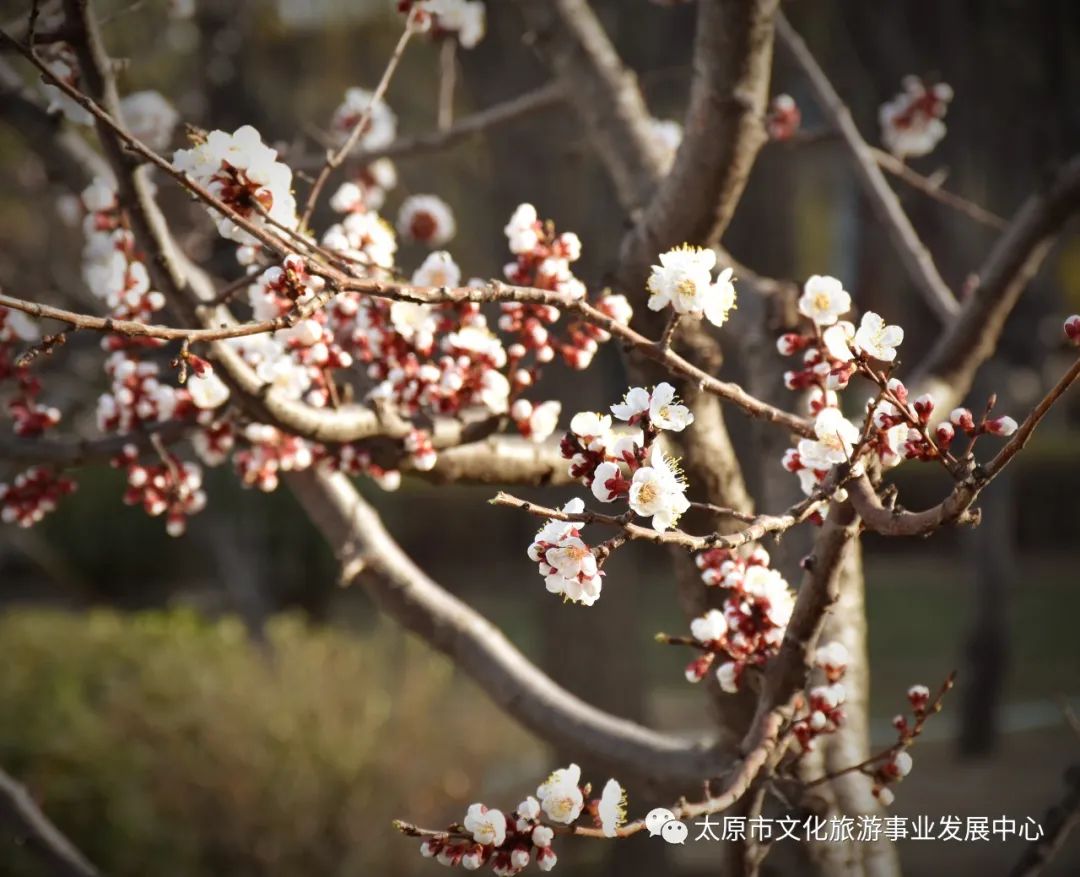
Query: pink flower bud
x=1002, y=426
x=1072, y=329
x=897, y=388
x=789, y=343
x=924, y=407
x=919, y=697
x=963, y=419
x=945, y=434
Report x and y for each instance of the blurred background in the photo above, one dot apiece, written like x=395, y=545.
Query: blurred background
x=218, y=705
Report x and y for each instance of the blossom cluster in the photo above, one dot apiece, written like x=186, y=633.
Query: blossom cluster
x=567, y=564
x=29, y=417
x=244, y=173
x=464, y=19
x=509, y=842
x=379, y=121
x=683, y=281
x=171, y=488
x=62, y=63
x=749, y=628
x=31, y=495
x=632, y=465
x=824, y=703
x=911, y=123
x=542, y=261
x=833, y=351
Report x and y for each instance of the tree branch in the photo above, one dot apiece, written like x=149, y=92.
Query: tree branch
x=913, y=254
x=369, y=554
x=972, y=337
x=604, y=94
x=723, y=133
x=29, y=824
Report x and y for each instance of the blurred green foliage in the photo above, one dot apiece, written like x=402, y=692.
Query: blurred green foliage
x=166, y=744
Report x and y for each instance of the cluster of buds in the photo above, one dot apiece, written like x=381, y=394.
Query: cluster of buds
x=783, y=118
x=137, y=397
x=354, y=460
x=114, y=271
x=542, y=261
x=964, y=420
x=510, y=842
x=749, y=628
x=465, y=20
x=29, y=417
x=911, y=123
x=31, y=495
x=267, y=452
x=172, y=488
x=898, y=762
x=824, y=703
x=833, y=351
x=298, y=360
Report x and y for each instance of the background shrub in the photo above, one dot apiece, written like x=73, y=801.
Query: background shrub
x=166, y=744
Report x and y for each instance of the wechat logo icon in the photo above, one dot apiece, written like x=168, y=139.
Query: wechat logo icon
x=662, y=821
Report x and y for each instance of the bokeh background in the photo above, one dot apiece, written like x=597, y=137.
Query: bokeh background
x=218, y=705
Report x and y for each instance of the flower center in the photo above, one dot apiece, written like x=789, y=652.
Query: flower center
x=647, y=493
x=423, y=226
x=686, y=287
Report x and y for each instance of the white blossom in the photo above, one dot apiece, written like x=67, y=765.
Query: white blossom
x=838, y=338
x=635, y=402
x=466, y=18
x=823, y=300
x=438, y=269
x=725, y=675
x=612, y=808
x=836, y=437
x=521, y=231
x=486, y=826
x=560, y=795
x=658, y=491
x=381, y=127
x=591, y=428
x=709, y=627
x=150, y=117
x=242, y=171
x=876, y=339
x=665, y=413
x=207, y=391
x=605, y=472
x=427, y=219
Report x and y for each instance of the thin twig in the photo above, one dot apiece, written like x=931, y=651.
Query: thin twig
x=447, y=81
x=760, y=526
x=334, y=159
x=914, y=255
x=934, y=190
x=26, y=821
